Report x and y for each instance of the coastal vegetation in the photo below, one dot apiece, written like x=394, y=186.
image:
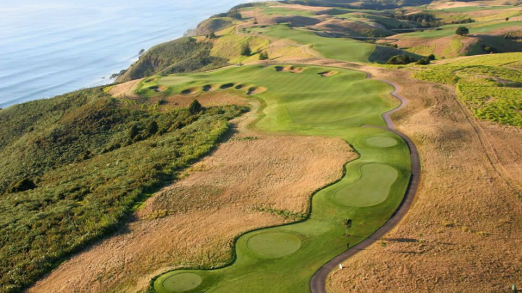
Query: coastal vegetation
x=75, y=165
x=490, y=86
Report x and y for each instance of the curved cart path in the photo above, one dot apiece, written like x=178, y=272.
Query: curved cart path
x=318, y=281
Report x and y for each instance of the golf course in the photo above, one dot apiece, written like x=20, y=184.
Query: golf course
x=305, y=101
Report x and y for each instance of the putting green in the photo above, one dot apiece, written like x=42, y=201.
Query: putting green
x=371, y=189
x=274, y=245
x=182, y=282
x=380, y=142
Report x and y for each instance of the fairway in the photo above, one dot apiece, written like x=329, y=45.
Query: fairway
x=307, y=103
x=334, y=48
x=274, y=245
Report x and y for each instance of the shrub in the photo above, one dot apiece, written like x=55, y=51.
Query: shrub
x=432, y=57
x=245, y=50
x=195, y=107
x=152, y=127
x=400, y=59
x=263, y=56
x=423, y=61
x=22, y=185
x=462, y=31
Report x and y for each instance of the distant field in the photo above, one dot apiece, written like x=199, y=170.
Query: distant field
x=334, y=48
x=299, y=100
x=490, y=85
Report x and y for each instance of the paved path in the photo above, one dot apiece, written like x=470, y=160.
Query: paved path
x=318, y=281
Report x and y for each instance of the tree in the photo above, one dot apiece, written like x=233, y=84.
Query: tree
x=212, y=35
x=245, y=50
x=195, y=107
x=462, y=30
x=263, y=55
x=432, y=57
x=347, y=225
x=507, y=18
x=255, y=21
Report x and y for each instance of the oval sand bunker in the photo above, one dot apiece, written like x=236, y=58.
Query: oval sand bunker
x=380, y=142
x=274, y=245
x=182, y=282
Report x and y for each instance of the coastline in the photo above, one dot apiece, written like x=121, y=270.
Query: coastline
x=58, y=61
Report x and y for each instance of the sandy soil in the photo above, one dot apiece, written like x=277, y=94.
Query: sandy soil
x=194, y=221
x=464, y=231
x=125, y=90
x=207, y=99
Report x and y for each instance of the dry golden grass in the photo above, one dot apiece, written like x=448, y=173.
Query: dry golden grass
x=450, y=46
x=464, y=231
x=194, y=221
x=125, y=90
x=206, y=99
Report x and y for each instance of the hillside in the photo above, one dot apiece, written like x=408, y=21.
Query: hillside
x=75, y=165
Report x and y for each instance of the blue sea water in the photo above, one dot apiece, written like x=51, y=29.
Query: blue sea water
x=50, y=47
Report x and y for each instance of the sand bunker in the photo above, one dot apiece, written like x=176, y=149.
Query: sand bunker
x=328, y=73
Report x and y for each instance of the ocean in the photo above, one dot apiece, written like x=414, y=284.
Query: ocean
x=51, y=47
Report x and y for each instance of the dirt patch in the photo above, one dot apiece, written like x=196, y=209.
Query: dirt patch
x=193, y=222
x=125, y=90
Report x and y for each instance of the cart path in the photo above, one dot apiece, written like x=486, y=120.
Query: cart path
x=318, y=281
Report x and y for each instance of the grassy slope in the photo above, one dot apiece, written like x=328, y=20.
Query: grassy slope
x=334, y=48
x=308, y=104
x=181, y=55
x=490, y=85
x=88, y=169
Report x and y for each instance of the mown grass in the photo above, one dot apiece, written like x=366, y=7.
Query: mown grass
x=307, y=104
x=487, y=85
x=334, y=48
x=91, y=158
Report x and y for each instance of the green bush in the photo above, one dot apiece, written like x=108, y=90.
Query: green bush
x=462, y=31
x=245, y=50
x=400, y=59
x=263, y=55
x=423, y=61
